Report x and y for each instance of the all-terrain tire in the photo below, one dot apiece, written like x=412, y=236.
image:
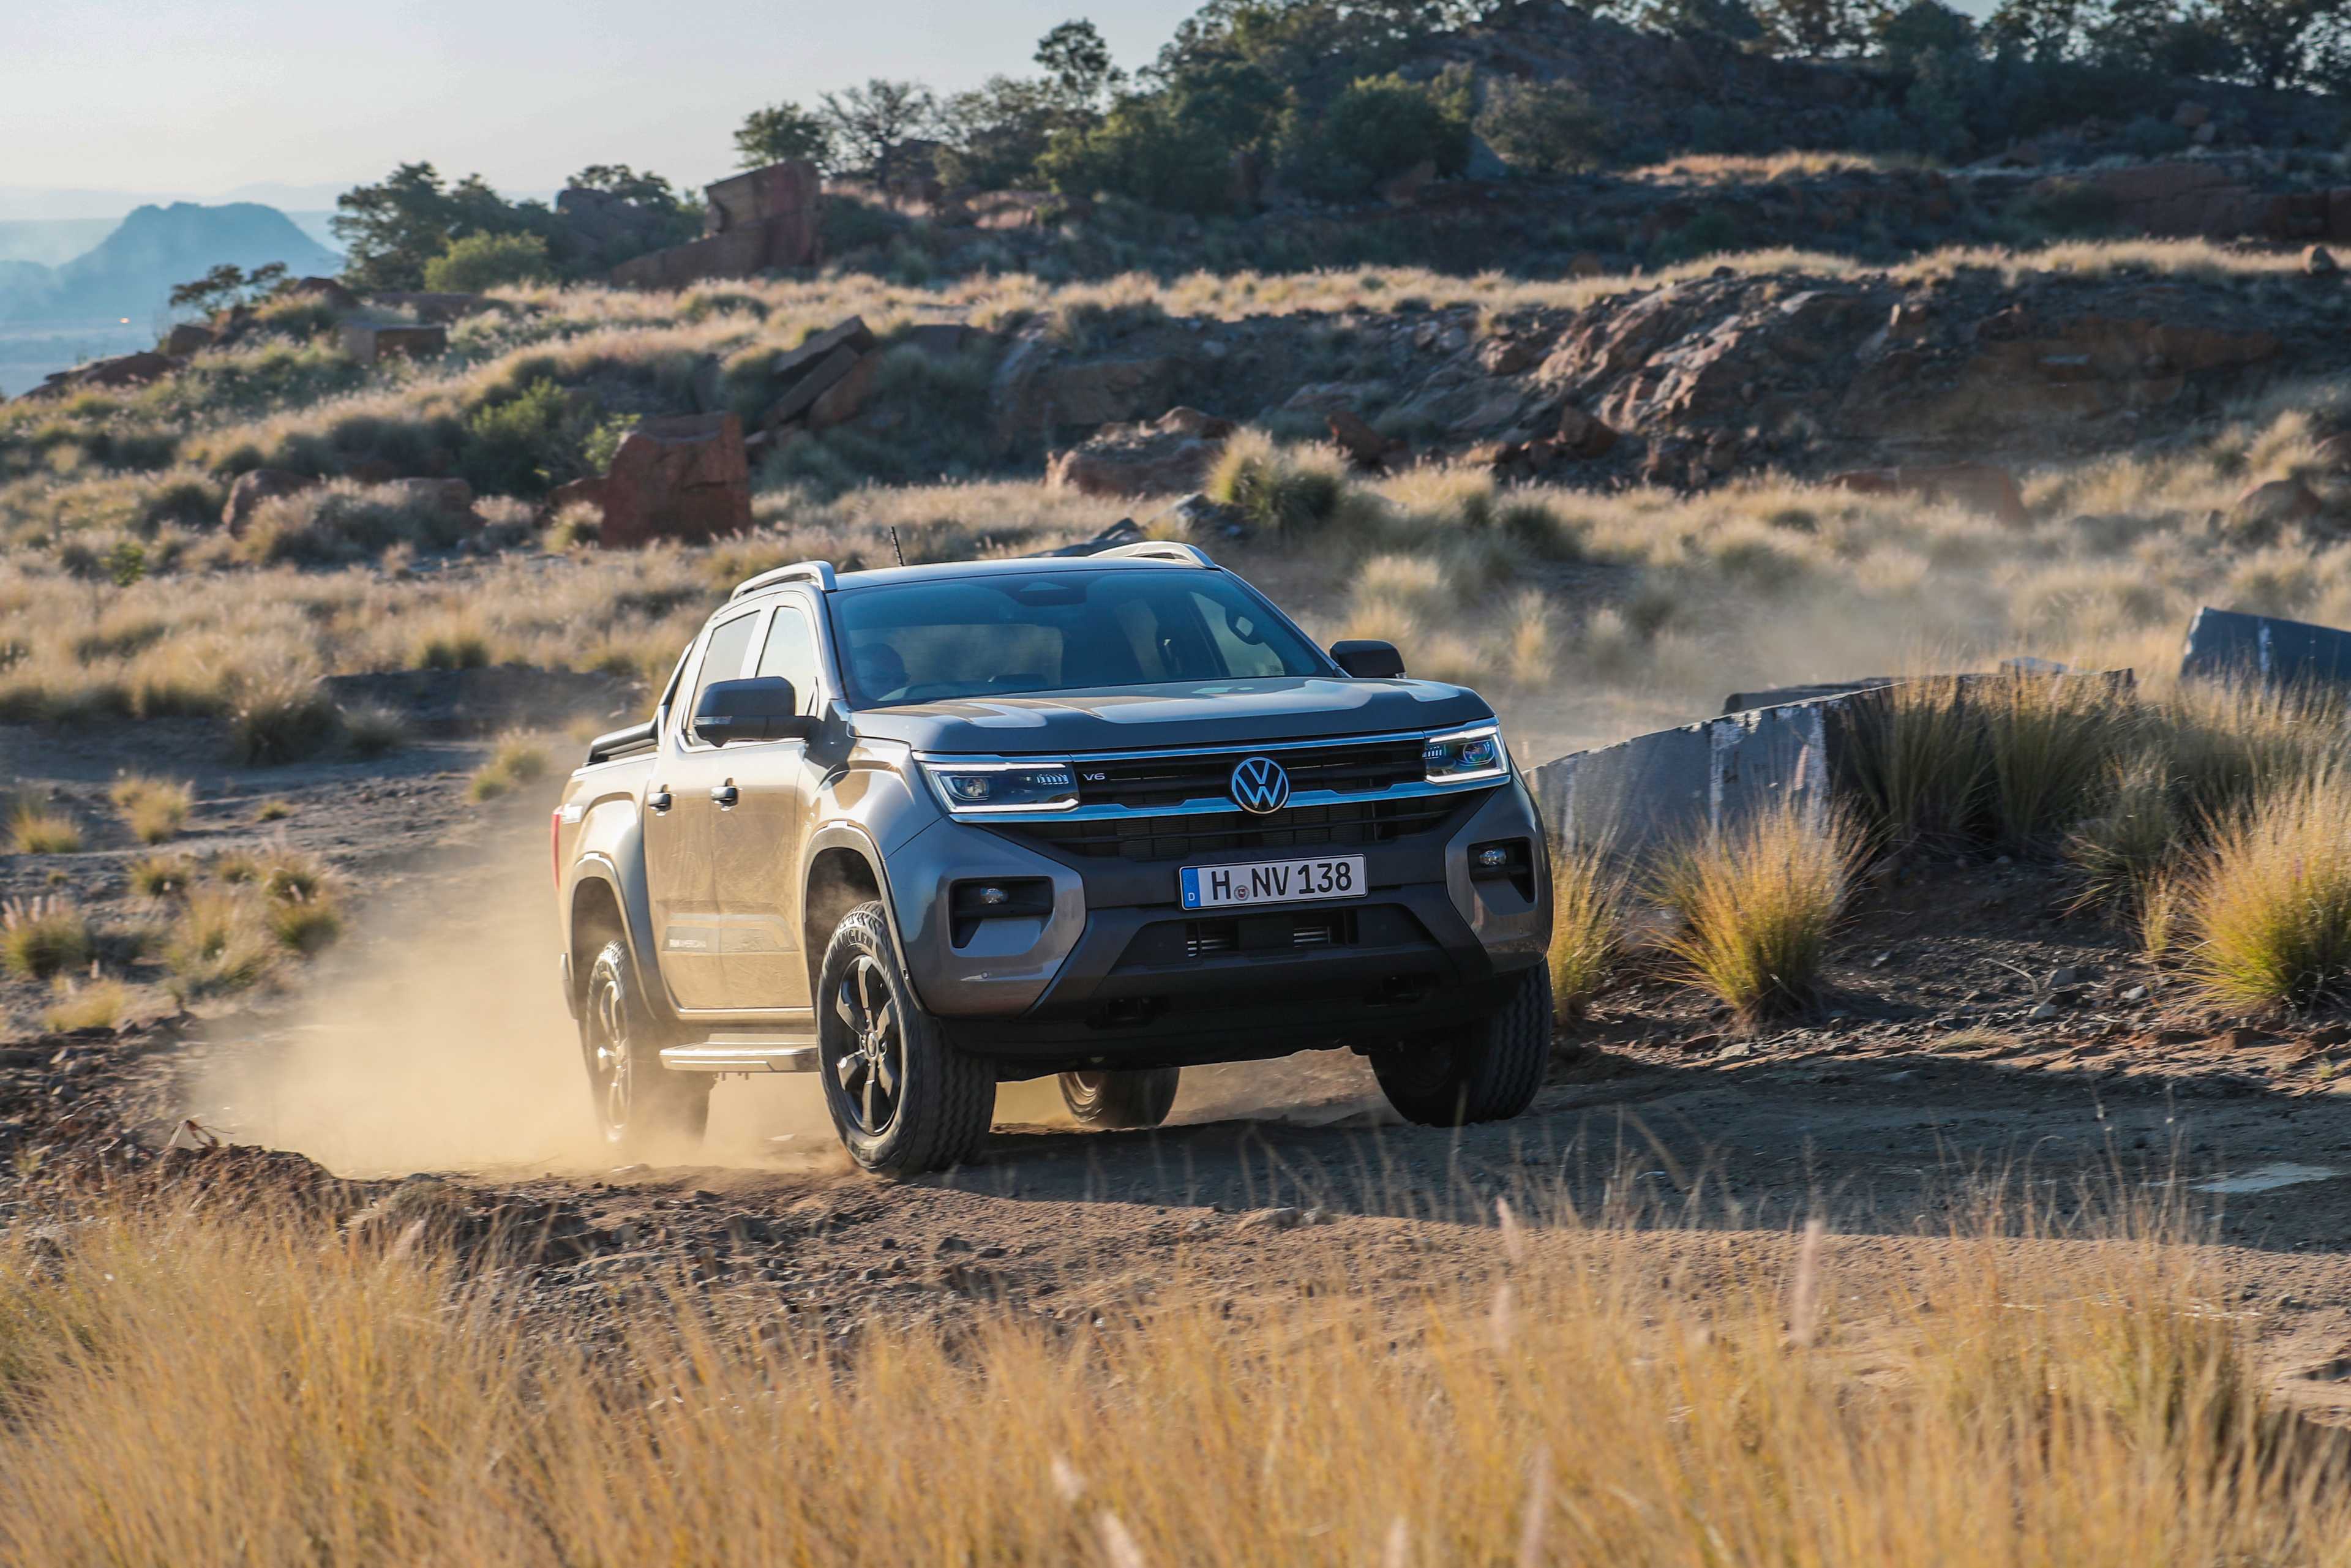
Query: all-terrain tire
x=1139, y=1098
x=903, y=1099
x=1484, y=1071
x=642, y=1107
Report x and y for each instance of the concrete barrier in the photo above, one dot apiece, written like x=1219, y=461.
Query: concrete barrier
x=2228, y=644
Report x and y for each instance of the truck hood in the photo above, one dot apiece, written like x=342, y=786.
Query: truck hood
x=1211, y=713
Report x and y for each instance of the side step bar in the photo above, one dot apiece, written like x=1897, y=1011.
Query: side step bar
x=744, y=1053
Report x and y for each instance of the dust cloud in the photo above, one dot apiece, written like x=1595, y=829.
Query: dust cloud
x=434, y=1037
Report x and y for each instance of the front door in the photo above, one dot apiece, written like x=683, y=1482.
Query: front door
x=759, y=894
x=683, y=843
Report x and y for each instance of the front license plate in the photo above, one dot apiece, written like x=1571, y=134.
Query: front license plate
x=1272, y=882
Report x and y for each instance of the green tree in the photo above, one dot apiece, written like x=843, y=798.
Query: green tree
x=392, y=230
x=1078, y=64
x=2281, y=43
x=226, y=285
x=996, y=132
x=1816, y=27
x=779, y=133
x=871, y=125
x=1923, y=28
x=1373, y=129
x=479, y=261
x=1544, y=128
x=1146, y=151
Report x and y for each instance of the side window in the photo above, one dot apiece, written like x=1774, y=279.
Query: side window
x=791, y=653
x=1239, y=641
x=722, y=659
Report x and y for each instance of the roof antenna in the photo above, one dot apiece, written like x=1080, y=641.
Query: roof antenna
x=893, y=545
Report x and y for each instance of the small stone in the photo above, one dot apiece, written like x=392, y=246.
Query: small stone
x=1272, y=1219
x=952, y=1244
x=1738, y=1050
x=2059, y=980
x=2134, y=994
x=2042, y=1013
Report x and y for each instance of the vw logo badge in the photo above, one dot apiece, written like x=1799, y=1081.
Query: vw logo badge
x=1259, y=785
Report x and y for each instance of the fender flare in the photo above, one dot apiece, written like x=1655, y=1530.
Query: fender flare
x=627, y=885
x=853, y=836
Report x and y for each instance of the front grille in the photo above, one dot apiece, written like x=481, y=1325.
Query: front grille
x=1269, y=933
x=1144, y=837
x=1144, y=783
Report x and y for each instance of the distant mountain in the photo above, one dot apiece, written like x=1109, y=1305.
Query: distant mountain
x=132, y=270
x=51, y=240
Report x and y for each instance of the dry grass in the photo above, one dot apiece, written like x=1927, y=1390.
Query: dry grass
x=221, y=943
x=155, y=809
x=1589, y=892
x=1757, y=907
x=517, y=760
x=97, y=1002
x=2270, y=905
x=43, y=937
x=34, y=830
x=162, y=876
x=1602, y=1399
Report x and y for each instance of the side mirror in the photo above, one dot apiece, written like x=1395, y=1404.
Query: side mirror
x=1368, y=661
x=762, y=708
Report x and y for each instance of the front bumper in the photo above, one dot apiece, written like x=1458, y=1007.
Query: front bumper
x=1120, y=975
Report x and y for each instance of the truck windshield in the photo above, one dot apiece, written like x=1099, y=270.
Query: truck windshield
x=1059, y=631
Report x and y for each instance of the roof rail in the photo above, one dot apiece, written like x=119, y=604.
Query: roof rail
x=1160, y=550
x=816, y=571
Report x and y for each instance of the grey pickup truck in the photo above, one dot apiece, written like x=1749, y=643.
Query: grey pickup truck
x=924, y=829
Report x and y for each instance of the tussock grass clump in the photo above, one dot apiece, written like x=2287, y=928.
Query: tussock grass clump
x=220, y=943
x=162, y=876
x=2048, y=743
x=305, y=922
x=1920, y=764
x=43, y=937
x=518, y=760
x=2270, y=905
x=1758, y=905
x=393, y=1408
x=36, y=830
x=283, y=719
x=99, y=1001
x=1279, y=489
x=1588, y=895
x=154, y=808
x=288, y=874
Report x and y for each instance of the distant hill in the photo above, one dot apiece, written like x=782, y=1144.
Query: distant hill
x=132, y=270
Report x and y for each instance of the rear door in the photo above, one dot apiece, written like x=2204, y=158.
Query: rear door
x=759, y=892
x=682, y=818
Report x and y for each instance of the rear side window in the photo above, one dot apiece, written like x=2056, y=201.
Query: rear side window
x=790, y=652
x=722, y=659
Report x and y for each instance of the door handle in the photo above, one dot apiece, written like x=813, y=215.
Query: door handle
x=725, y=795
x=658, y=798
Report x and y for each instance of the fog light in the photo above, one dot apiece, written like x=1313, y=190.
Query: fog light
x=994, y=895
x=1493, y=857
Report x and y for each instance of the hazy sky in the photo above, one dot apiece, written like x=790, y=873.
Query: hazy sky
x=204, y=96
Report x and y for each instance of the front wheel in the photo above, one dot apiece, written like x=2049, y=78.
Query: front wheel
x=642, y=1107
x=903, y=1099
x=1140, y=1098
x=1484, y=1071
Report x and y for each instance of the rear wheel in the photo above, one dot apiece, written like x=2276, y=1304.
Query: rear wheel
x=1483, y=1071
x=903, y=1099
x=641, y=1107
x=1105, y=1099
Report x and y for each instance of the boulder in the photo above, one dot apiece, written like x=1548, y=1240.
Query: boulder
x=2319, y=262
x=186, y=339
x=253, y=487
x=2266, y=509
x=943, y=340
x=1405, y=190
x=1365, y=447
x=1171, y=454
x=1581, y=435
x=1107, y=391
x=808, y=384
x=1505, y=356
x=370, y=343
x=755, y=221
x=682, y=478
x=325, y=290
x=845, y=398
x=1199, y=516
x=1983, y=488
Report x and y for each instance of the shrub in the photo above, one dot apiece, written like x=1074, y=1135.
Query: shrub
x=1919, y=763
x=34, y=829
x=516, y=761
x=155, y=808
x=282, y=718
x=1279, y=489
x=1758, y=907
x=1375, y=129
x=162, y=876
x=2123, y=848
x=99, y=1002
x=272, y=811
x=2269, y=906
x=369, y=731
x=2048, y=743
x=289, y=874
x=1146, y=150
x=219, y=943
x=342, y=523
x=484, y=261
x=304, y=922
x=1545, y=128
x=1587, y=932
x=43, y=935
x=527, y=443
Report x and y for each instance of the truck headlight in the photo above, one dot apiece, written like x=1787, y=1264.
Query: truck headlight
x=977, y=787
x=1466, y=755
